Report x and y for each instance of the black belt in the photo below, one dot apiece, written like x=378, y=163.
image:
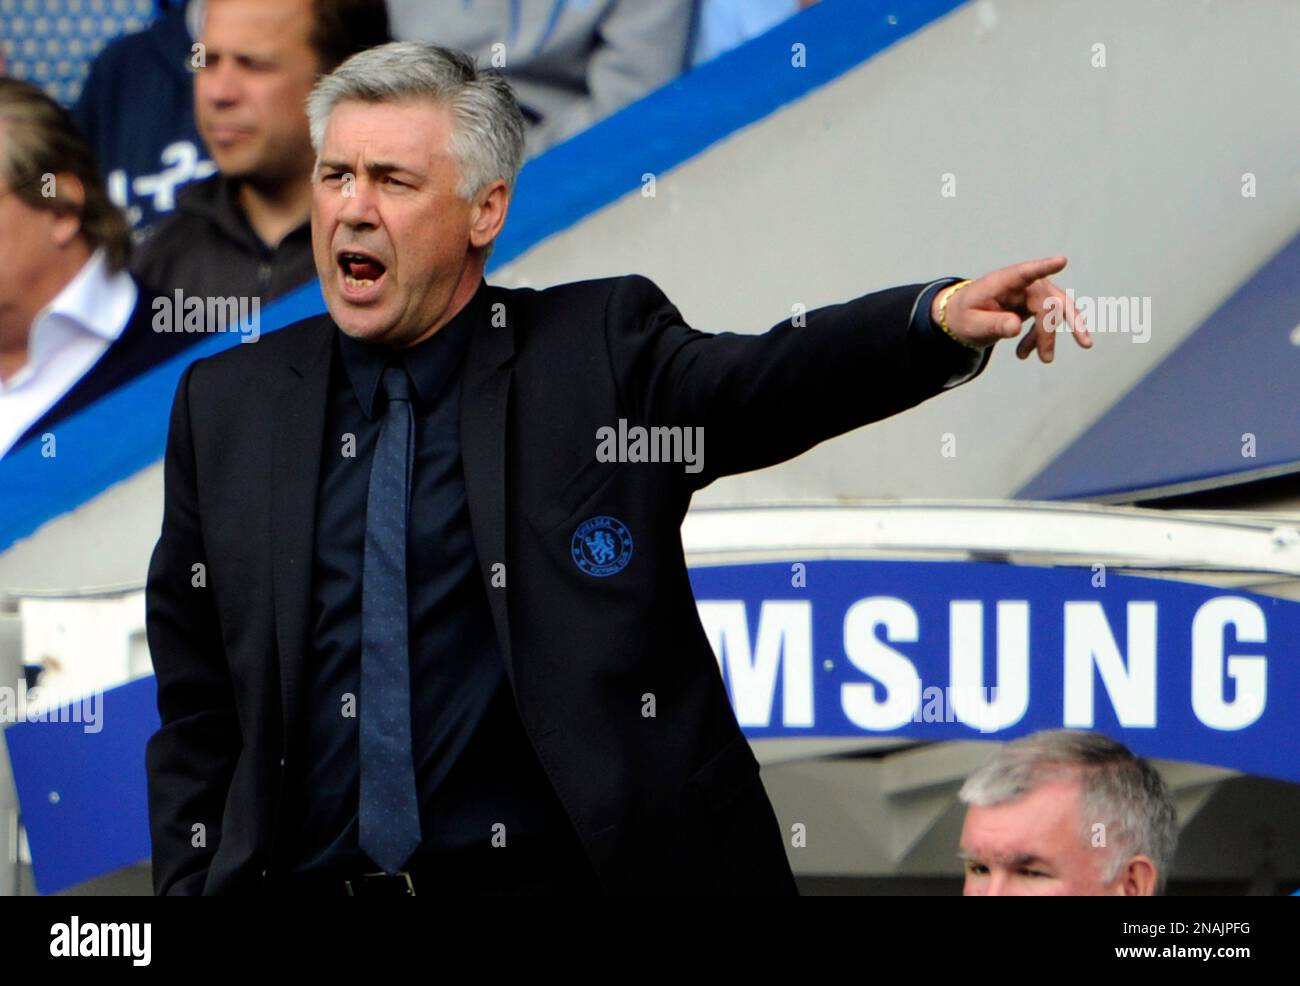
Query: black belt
x=477, y=870
x=401, y=884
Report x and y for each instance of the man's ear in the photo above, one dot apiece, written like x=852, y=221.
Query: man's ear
x=1138, y=878
x=69, y=200
x=488, y=215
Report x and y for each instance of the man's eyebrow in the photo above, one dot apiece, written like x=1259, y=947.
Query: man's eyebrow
x=385, y=167
x=1028, y=859
x=244, y=53
x=1020, y=859
x=374, y=167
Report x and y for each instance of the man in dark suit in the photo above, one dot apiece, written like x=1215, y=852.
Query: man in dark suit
x=411, y=633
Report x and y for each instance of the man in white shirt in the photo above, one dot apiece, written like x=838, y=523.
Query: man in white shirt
x=66, y=338
x=73, y=322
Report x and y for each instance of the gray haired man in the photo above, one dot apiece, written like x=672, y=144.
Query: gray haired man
x=360, y=700
x=1065, y=812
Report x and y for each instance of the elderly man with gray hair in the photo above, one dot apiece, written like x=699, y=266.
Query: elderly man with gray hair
x=442, y=646
x=1066, y=812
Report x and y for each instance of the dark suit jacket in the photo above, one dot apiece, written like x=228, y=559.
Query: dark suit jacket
x=669, y=802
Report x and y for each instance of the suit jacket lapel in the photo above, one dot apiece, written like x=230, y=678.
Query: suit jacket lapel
x=485, y=394
x=298, y=429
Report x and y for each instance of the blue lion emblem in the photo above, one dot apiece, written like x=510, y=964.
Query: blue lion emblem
x=601, y=546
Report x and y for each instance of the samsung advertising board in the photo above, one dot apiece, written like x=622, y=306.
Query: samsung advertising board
x=934, y=650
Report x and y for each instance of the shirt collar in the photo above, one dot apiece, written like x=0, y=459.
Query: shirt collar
x=96, y=300
x=217, y=199
x=430, y=363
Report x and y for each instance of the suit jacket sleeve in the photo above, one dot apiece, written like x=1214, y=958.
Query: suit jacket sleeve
x=191, y=758
x=763, y=399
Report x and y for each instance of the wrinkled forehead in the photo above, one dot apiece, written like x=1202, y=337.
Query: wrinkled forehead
x=1043, y=822
x=410, y=132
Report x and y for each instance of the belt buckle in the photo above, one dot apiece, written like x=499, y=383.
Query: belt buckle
x=380, y=880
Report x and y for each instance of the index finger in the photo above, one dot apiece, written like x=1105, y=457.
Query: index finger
x=1017, y=278
x=1031, y=270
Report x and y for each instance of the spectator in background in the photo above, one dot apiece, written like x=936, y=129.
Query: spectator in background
x=246, y=231
x=73, y=323
x=137, y=111
x=724, y=24
x=570, y=62
x=1066, y=812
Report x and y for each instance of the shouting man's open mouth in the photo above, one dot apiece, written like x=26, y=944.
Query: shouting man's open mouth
x=360, y=275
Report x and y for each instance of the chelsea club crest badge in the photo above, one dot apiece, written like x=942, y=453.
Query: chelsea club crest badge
x=601, y=546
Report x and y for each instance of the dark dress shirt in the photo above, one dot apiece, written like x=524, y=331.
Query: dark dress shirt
x=475, y=766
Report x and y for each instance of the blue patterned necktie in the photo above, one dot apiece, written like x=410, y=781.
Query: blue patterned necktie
x=390, y=812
